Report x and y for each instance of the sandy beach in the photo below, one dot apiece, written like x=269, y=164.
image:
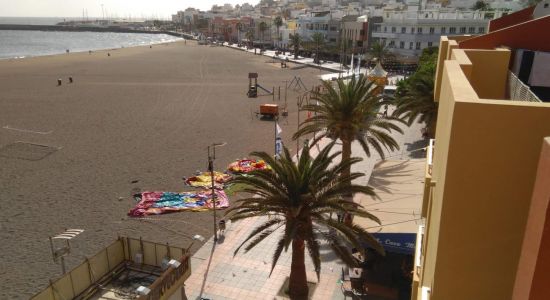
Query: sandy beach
x=138, y=120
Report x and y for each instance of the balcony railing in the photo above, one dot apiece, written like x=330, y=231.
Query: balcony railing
x=519, y=91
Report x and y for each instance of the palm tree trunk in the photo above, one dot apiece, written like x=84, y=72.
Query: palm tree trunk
x=297, y=286
x=346, y=155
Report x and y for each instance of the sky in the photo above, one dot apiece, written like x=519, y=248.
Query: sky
x=113, y=8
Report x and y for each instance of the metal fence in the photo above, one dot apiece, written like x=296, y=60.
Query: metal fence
x=518, y=91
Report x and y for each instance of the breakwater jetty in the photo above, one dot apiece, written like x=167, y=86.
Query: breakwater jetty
x=89, y=29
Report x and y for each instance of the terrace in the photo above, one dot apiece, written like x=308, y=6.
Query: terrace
x=127, y=269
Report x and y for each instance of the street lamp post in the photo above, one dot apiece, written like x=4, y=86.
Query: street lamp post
x=211, y=158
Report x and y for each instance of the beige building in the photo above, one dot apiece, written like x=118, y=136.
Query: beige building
x=487, y=176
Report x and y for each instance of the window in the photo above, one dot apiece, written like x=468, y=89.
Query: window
x=412, y=30
x=411, y=44
x=385, y=29
x=443, y=29
x=471, y=30
x=401, y=45
x=430, y=44
x=462, y=29
x=432, y=30
x=419, y=30
x=418, y=45
x=452, y=30
x=403, y=29
x=393, y=29
x=333, y=28
x=333, y=40
x=481, y=30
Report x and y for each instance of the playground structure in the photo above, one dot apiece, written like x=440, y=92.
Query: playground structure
x=253, y=88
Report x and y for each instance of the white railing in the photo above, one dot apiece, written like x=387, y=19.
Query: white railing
x=519, y=91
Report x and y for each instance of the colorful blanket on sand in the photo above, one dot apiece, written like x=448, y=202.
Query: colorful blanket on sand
x=205, y=180
x=156, y=203
x=247, y=165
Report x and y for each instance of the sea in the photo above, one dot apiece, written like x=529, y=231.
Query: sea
x=22, y=43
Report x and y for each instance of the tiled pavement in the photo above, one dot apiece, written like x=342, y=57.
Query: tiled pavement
x=218, y=275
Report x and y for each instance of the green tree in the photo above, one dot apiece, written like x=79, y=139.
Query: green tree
x=250, y=37
x=415, y=97
x=318, y=40
x=239, y=27
x=263, y=28
x=481, y=5
x=295, y=42
x=379, y=51
x=278, y=23
x=299, y=199
x=350, y=113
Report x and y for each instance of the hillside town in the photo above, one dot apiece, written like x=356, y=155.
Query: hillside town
x=405, y=27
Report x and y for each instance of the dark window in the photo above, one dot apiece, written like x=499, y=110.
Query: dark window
x=481, y=30
x=471, y=30
x=393, y=29
x=333, y=28
x=430, y=44
x=385, y=29
x=403, y=29
x=452, y=30
x=432, y=30
x=417, y=45
x=462, y=29
x=411, y=44
x=443, y=29
x=401, y=45
x=419, y=30
x=412, y=29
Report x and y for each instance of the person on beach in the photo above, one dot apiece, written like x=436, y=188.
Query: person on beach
x=221, y=226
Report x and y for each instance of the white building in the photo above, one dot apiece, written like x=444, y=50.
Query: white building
x=408, y=32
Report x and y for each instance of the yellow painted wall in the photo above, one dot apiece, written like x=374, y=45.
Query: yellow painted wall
x=291, y=24
x=489, y=74
x=485, y=161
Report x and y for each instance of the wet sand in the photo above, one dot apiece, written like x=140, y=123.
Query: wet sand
x=141, y=115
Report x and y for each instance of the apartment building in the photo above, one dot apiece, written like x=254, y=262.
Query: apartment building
x=326, y=22
x=408, y=32
x=487, y=219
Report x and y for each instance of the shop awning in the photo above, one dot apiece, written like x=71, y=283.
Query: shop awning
x=403, y=243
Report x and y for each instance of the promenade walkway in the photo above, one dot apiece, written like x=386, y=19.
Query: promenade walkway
x=217, y=274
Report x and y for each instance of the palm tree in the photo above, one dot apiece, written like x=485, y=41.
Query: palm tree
x=379, y=51
x=318, y=40
x=278, y=23
x=417, y=99
x=350, y=113
x=239, y=30
x=295, y=41
x=299, y=199
x=263, y=28
x=250, y=37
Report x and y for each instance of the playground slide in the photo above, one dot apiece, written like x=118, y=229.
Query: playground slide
x=264, y=89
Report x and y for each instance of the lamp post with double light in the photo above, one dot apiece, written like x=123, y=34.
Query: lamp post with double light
x=211, y=158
